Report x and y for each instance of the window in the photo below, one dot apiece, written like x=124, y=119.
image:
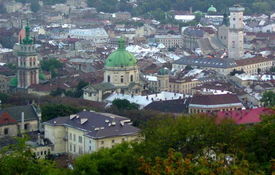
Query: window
x=102, y=142
x=26, y=126
x=123, y=139
x=113, y=141
x=74, y=148
x=71, y=147
x=80, y=150
x=45, y=152
x=80, y=139
x=74, y=137
x=6, y=131
x=108, y=78
x=90, y=148
x=132, y=78
x=121, y=79
x=70, y=136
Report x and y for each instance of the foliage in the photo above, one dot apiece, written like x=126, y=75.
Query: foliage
x=78, y=92
x=18, y=159
x=57, y=92
x=124, y=105
x=51, y=65
x=176, y=164
x=119, y=160
x=7, y=41
x=236, y=72
x=50, y=111
x=268, y=99
x=3, y=97
x=35, y=5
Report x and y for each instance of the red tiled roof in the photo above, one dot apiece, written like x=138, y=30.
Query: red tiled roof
x=5, y=119
x=244, y=116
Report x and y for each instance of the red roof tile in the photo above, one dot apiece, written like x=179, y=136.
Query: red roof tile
x=5, y=119
x=245, y=116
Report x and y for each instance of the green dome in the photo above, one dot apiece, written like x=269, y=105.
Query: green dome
x=42, y=76
x=121, y=57
x=13, y=82
x=163, y=71
x=212, y=9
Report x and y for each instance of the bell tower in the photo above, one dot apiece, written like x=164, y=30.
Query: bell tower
x=27, y=62
x=236, y=33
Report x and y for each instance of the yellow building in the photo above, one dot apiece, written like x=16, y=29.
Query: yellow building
x=214, y=103
x=19, y=119
x=88, y=131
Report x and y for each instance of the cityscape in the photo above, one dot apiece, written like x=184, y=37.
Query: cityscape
x=129, y=87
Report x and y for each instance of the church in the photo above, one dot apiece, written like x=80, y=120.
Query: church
x=121, y=75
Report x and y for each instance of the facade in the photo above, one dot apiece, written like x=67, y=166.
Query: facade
x=4, y=84
x=19, y=119
x=88, y=131
x=236, y=33
x=223, y=31
x=27, y=63
x=121, y=75
x=214, y=103
x=170, y=41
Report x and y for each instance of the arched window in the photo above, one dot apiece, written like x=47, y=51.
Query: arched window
x=121, y=79
x=132, y=78
x=108, y=78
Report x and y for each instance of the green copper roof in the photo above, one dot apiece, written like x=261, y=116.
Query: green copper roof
x=121, y=57
x=27, y=39
x=13, y=82
x=163, y=71
x=212, y=9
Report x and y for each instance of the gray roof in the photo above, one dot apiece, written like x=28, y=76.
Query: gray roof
x=16, y=111
x=207, y=62
x=98, y=125
x=105, y=86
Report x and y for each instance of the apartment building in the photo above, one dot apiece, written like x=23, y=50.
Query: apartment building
x=88, y=131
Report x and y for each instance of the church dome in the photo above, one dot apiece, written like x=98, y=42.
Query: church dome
x=163, y=71
x=121, y=57
x=212, y=9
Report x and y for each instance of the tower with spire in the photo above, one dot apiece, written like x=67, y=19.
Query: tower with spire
x=27, y=62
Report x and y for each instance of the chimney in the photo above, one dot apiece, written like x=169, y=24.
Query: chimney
x=22, y=121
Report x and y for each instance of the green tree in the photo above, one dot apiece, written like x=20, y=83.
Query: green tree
x=50, y=111
x=124, y=105
x=18, y=159
x=35, y=5
x=268, y=98
x=51, y=65
x=120, y=160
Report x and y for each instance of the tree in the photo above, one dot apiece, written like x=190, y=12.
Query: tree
x=57, y=92
x=176, y=164
x=18, y=159
x=119, y=160
x=272, y=69
x=35, y=5
x=50, y=111
x=124, y=105
x=51, y=65
x=268, y=99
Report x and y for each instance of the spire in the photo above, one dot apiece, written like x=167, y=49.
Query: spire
x=121, y=44
x=27, y=39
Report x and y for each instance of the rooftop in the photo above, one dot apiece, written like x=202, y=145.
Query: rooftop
x=97, y=125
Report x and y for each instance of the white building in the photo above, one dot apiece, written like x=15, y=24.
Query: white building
x=97, y=35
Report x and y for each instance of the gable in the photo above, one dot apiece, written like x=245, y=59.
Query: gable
x=6, y=119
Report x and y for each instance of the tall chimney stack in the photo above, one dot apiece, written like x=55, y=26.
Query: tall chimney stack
x=22, y=122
